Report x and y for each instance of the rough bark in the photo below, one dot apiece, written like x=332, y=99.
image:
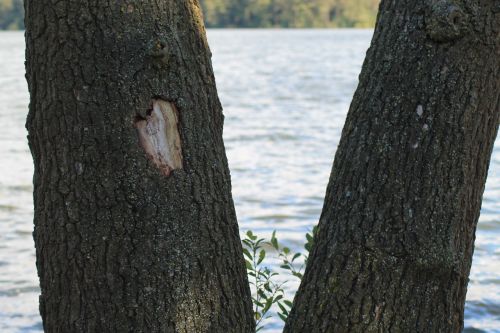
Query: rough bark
x=125, y=243
x=396, y=236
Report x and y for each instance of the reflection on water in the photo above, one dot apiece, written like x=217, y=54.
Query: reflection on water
x=285, y=95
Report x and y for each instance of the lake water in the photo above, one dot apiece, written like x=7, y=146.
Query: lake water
x=285, y=94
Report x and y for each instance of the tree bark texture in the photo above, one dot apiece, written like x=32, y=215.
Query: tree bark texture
x=124, y=243
x=396, y=235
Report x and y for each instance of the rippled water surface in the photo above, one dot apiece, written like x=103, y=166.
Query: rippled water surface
x=285, y=94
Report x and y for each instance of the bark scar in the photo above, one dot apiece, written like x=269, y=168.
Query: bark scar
x=446, y=21
x=159, y=136
x=159, y=51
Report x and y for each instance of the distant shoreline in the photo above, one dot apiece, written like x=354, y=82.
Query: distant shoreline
x=244, y=28
x=255, y=14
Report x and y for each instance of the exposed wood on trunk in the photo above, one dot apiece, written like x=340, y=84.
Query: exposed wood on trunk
x=159, y=136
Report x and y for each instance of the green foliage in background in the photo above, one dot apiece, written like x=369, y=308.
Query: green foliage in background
x=11, y=14
x=255, y=13
x=268, y=291
x=290, y=13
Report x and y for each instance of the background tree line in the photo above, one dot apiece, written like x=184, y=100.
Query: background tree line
x=254, y=13
x=11, y=14
x=290, y=13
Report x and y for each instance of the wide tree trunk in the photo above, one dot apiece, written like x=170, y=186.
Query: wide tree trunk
x=396, y=236
x=135, y=228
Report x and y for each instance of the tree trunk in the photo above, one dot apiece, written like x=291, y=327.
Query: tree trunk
x=394, y=247
x=135, y=228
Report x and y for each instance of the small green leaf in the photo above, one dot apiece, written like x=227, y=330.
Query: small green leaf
x=288, y=303
x=282, y=316
x=296, y=256
x=283, y=309
x=262, y=255
x=258, y=303
x=268, y=305
x=286, y=250
x=249, y=265
x=262, y=294
x=247, y=253
x=274, y=240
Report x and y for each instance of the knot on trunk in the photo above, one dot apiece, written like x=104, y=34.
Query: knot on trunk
x=446, y=21
x=496, y=7
x=158, y=50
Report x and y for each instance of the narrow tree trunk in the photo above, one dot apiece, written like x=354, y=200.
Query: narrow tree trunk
x=396, y=235
x=135, y=228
